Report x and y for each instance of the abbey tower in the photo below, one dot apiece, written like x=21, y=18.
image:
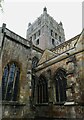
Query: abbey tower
x=45, y=32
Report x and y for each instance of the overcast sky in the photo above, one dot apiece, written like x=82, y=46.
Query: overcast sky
x=18, y=13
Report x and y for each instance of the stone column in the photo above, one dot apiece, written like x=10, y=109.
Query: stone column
x=50, y=86
x=29, y=73
x=28, y=108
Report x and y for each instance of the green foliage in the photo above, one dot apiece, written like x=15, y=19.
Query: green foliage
x=1, y=5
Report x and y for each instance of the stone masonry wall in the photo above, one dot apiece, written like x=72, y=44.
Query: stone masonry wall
x=72, y=62
x=15, y=49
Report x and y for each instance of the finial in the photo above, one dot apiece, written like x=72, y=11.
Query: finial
x=29, y=24
x=60, y=23
x=3, y=27
x=45, y=10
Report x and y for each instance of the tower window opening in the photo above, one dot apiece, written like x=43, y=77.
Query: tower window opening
x=37, y=42
x=30, y=38
x=60, y=38
x=39, y=33
x=53, y=41
x=34, y=36
x=55, y=35
x=51, y=32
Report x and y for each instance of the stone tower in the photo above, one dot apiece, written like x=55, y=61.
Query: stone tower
x=45, y=32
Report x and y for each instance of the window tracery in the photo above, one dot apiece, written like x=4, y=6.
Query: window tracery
x=34, y=62
x=10, y=82
x=42, y=90
x=61, y=83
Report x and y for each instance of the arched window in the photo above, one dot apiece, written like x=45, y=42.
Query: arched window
x=10, y=82
x=42, y=90
x=34, y=62
x=5, y=80
x=60, y=82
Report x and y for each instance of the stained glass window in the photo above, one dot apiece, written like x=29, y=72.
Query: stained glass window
x=10, y=82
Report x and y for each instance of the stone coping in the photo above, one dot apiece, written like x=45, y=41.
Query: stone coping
x=13, y=103
x=68, y=103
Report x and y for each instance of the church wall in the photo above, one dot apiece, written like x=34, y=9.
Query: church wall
x=14, y=48
x=16, y=52
x=13, y=52
x=74, y=68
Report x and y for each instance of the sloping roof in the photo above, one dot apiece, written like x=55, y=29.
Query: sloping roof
x=37, y=49
x=17, y=38
x=78, y=47
x=66, y=42
x=47, y=55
